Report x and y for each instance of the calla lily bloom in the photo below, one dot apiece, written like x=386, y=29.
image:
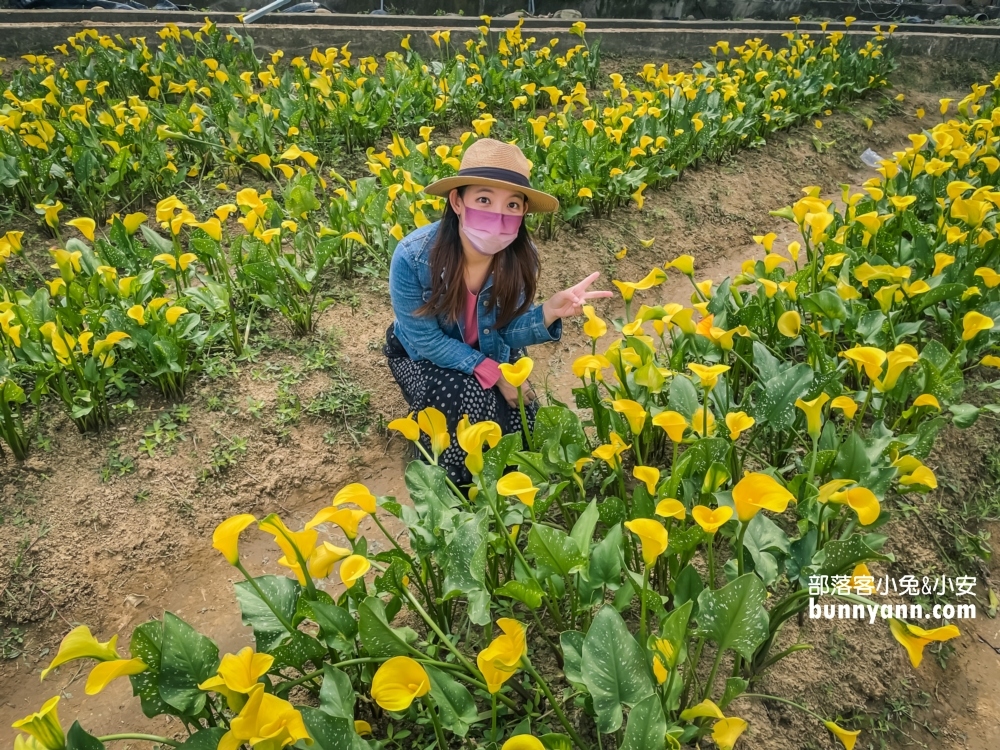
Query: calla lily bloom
x=846, y=737
x=707, y=709
x=862, y=501
x=941, y=262
x=628, y=288
x=726, y=732
x=517, y=373
x=649, y=475
x=827, y=490
x=711, y=520
x=973, y=323
x=435, y=425
x=653, y=536
x=990, y=361
x=471, y=438
x=611, y=452
x=683, y=263
x=44, y=725
x=990, y=277
x=594, y=327
x=292, y=543
x=348, y=519
x=174, y=313
x=226, y=536
x=703, y=422
x=869, y=358
x=759, y=491
x=921, y=475
x=237, y=675
x=104, y=673
x=353, y=569
x=847, y=405
x=523, y=742
x=633, y=412
x=79, y=643
x=407, y=427
x=814, y=413
x=738, y=422
x=266, y=720
x=357, y=494
x=398, y=682
x=898, y=361
x=517, y=484
x=362, y=727
x=85, y=226
x=500, y=660
x=673, y=423
x=927, y=399
x=322, y=560
x=671, y=508
x=590, y=364
x=789, y=324
x=708, y=375
x=914, y=639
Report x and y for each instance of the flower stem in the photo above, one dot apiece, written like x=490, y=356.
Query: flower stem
x=642, y=607
x=739, y=547
x=438, y=732
x=555, y=705
x=137, y=736
x=524, y=420
x=260, y=593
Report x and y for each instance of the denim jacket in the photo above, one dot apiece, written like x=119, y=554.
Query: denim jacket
x=440, y=341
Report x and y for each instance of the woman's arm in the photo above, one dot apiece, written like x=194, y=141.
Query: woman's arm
x=421, y=335
x=529, y=328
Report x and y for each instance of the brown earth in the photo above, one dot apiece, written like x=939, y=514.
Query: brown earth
x=76, y=548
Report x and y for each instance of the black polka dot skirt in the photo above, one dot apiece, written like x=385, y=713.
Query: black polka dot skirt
x=454, y=394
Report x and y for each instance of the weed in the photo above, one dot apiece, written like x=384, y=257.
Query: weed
x=117, y=464
x=255, y=407
x=11, y=643
x=224, y=453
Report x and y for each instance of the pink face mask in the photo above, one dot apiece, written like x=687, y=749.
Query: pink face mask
x=487, y=231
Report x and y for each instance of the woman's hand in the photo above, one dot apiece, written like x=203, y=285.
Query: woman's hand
x=509, y=392
x=570, y=301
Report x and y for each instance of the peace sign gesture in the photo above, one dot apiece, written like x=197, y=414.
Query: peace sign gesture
x=570, y=301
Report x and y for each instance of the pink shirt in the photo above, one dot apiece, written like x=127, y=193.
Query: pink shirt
x=487, y=372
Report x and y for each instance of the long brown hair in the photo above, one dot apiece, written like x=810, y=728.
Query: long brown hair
x=515, y=273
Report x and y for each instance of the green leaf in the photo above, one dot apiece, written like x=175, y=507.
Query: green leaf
x=606, y=560
x=571, y=643
x=583, y=529
x=527, y=592
x=333, y=621
x=187, y=659
x=554, y=551
x=826, y=303
x=838, y=556
x=78, y=739
x=614, y=669
x=204, y=739
x=965, y=415
x=336, y=696
x=556, y=742
x=776, y=403
x=330, y=732
x=937, y=294
x=283, y=594
x=852, y=460
x=464, y=563
x=647, y=727
x=735, y=687
x=734, y=617
x=683, y=397
x=378, y=638
x=456, y=708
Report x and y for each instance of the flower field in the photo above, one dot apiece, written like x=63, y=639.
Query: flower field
x=622, y=576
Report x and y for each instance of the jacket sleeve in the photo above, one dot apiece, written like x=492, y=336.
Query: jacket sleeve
x=421, y=336
x=529, y=328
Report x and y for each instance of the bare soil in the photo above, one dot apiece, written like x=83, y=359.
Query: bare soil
x=115, y=550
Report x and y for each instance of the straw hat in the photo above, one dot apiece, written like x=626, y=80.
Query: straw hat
x=497, y=164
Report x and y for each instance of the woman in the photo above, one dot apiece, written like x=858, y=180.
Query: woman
x=463, y=291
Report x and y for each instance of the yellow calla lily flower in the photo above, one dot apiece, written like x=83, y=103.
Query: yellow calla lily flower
x=708, y=375
x=434, y=424
x=673, y=423
x=814, y=413
x=517, y=373
x=759, y=491
x=517, y=484
x=862, y=501
x=471, y=438
x=407, y=427
x=671, y=508
x=353, y=568
x=648, y=475
x=85, y=226
x=789, y=324
x=44, y=725
x=226, y=536
x=357, y=494
x=726, y=732
x=973, y=323
x=107, y=671
x=398, y=682
x=634, y=414
x=264, y=715
x=914, y=639
x=653, y=536
x=738, y=422
x=711, y=520
x=846, y=737
x=500, y=660
x=80, y=643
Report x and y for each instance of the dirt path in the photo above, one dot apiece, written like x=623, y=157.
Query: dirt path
x=114, y=561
